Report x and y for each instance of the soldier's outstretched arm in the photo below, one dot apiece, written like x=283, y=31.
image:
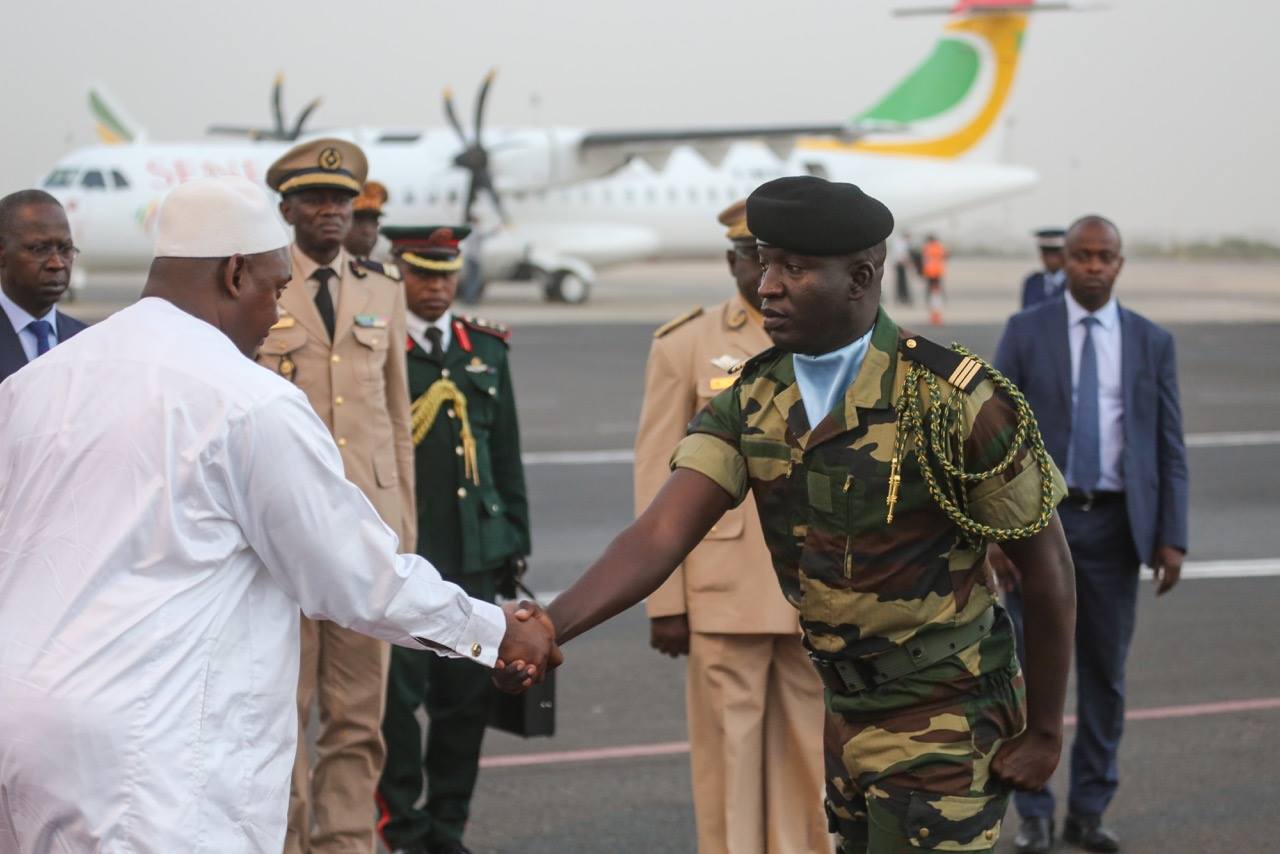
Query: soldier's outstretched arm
x=1049, y=606
x=643, y=555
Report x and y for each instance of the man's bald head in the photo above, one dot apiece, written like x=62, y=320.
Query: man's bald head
x=1094, y=260
x=1092, y=221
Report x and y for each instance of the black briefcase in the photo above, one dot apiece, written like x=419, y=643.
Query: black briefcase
x=528, y=714
x=531, y=713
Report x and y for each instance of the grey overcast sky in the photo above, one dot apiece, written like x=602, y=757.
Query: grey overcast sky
x=1159, y=113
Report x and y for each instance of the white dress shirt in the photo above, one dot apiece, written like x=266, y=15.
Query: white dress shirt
x=162, y=518
x=1106, y=344
x=418, y=327
x=19, y=318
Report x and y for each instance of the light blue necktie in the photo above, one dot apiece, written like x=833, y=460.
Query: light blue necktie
x=1085, y=455
x=43, y=330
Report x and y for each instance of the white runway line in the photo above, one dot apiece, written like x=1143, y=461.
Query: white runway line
x=627, y=456
x=1233, y=440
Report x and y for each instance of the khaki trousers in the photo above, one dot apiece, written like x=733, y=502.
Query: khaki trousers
x=756, y=715
x=347, y=673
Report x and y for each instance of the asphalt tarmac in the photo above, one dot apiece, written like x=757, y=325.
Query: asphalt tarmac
x=1198, y=762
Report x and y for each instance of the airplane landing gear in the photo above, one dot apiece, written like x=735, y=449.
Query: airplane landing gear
x=566, y=286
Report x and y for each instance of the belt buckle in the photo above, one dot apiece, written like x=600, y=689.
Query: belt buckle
x=1088, y=502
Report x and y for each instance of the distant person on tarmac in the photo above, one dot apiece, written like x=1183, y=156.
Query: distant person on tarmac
x=934, y=269
x=900, y=253
x=1046, y=283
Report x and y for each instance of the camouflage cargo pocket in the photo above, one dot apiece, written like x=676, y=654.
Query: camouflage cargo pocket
x=955, y=822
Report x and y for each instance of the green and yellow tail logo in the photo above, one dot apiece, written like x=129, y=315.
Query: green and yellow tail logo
x=953, y=99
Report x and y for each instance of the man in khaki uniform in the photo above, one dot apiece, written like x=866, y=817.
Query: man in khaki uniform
x=340, y=339
x=754, y=702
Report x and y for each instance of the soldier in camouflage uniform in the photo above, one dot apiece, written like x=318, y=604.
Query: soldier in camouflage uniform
x=880, y=463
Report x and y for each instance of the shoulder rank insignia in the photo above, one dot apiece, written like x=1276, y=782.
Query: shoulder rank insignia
x=963, y=372
x=361, y=266
x=725, y=362
x=676, y=323
x=497, y=330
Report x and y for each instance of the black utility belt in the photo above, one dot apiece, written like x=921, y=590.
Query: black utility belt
x=853, y=676
x=1089, y=500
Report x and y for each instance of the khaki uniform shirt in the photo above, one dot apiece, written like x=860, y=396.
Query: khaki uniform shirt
x=356, y=383
x=726, y=584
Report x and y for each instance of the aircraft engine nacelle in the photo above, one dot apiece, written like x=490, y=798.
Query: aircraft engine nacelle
x=548, y=157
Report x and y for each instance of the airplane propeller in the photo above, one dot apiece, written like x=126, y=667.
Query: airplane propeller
x=279, y=131
x=474, y=157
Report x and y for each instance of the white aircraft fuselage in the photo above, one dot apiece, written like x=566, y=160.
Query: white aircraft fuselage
x=601, y=210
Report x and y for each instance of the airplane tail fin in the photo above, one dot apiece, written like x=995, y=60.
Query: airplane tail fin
x=953, y=100
x=113, y=124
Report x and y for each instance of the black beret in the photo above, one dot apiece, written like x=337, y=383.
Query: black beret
x=813, y=216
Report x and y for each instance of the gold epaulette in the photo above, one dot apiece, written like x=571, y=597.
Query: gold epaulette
x=960, y=370
x=498, y=330
x=672, y=325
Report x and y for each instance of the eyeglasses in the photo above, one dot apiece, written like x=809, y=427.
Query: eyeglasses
x=45, y=251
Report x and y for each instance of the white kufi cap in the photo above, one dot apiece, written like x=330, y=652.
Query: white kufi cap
x=217, y=218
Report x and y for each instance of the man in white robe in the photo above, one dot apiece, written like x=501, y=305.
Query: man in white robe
x=166, y=506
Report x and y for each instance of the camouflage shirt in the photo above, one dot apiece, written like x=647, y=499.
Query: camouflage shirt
x=863, y=586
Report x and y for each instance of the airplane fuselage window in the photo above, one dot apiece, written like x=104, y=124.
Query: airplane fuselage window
x=119, y=180
x=61, y=178
x=93, y=180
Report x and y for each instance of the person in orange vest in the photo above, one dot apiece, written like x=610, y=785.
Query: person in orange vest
x=935, y=269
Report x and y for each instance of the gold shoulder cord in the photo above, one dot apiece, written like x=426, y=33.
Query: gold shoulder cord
x=427, y=407
x=940, y=437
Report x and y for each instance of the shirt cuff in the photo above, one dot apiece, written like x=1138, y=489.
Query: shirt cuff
x=482, y=635
x=716, y=459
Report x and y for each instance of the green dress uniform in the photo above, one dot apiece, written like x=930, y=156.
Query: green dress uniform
x=876, y=519
x=473, y=525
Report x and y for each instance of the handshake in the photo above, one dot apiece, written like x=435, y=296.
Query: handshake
x=528, y=651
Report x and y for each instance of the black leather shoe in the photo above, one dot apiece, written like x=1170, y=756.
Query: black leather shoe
x=1087, y=832
x=1035, y=835
x=450, y=847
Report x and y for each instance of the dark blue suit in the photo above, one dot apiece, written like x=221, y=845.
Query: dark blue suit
x=12, y=356
x=1036, y=289
x=1110, y=539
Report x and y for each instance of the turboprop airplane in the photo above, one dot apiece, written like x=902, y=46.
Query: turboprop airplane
x=573, y=199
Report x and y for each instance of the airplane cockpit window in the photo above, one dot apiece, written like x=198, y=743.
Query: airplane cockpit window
x=62, y=177
x=117, y=178
x=93, y=180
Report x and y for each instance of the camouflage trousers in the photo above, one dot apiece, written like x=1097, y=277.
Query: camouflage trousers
x=918, y=777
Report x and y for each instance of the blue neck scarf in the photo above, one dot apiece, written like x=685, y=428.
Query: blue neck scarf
x=824, y=379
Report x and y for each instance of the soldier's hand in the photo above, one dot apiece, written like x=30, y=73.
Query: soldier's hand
x=1167, y=568
x=670, y=635
x=1007, y=575
x=1027, y=761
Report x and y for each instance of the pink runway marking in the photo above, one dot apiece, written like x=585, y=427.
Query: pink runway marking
x=673, y=748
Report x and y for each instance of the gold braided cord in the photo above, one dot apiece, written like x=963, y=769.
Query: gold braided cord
x=427, y=407
x=938, y=440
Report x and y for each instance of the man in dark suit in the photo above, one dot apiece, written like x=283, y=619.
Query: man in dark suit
x=1103, y=383
x=36, y=254
x=1046, y=283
